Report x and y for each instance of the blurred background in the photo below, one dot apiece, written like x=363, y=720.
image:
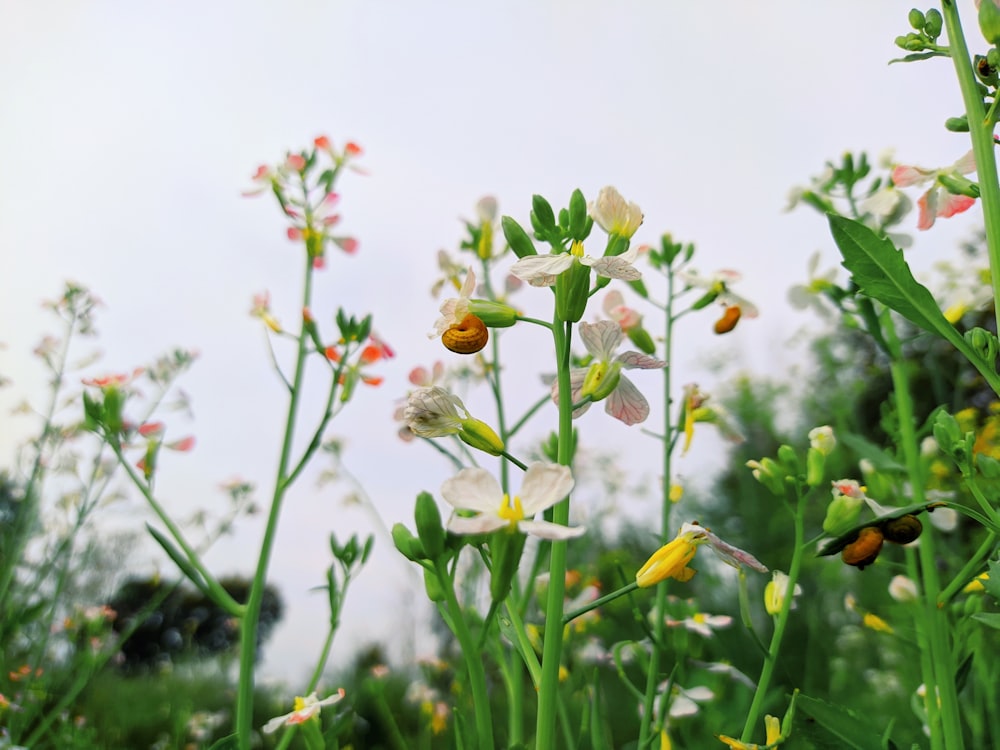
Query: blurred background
x=130, y=130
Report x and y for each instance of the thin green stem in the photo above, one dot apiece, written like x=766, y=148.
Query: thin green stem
x=659, y=625
x=473, y=659
x=972, y=566
x=626, y=589
x=781, y=621
x=249, y=623
x=981, y=132
x=944, y=668
x=552, y=644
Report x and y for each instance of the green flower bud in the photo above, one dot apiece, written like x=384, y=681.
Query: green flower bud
x=114, y=406
x=580, y=223
x=493, y=314
x=815, y=466
x=542, y=217
x=432, y=585
x=933, y=23
x=916, y=19
x=993, y=57
x=641, y=338
x=407, y=544
x=988, y=466
x=957, y=124
x=985, y=343
x=480, y=436
x=789, y=459
x=946, y=430
x=989, y=21
x=517, y=238
x=429, y=527
x=959, y=185
x=841, y=514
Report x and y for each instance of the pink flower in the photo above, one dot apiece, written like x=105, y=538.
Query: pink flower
x=938, y=201
x=614, y=308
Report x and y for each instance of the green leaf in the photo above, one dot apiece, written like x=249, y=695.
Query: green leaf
x=881, y=273
x=834, y=727
x=226, y=743
x=837, y=544
x=865, y=448
x=917, y=56
x=988, y=618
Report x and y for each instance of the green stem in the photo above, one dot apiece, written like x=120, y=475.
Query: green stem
x=249, y=622
x=971, y=568
x=981, y=132
x=552, y=645
x=944, y=668
x=626, y=589
x=473, y=658
x=781, y=621
x=660, y=605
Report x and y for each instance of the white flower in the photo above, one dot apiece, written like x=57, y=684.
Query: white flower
x=614, y=214
x=776, y=591
x=702, y=624
x=809, y=295
x=477, y=490
x=454, y=310
x=822, y=439
x=685, y=702
x=542, y=270
x=720, y=283
x=624, y=402
x=903, y=589
x=434, y=412
x=305, y=709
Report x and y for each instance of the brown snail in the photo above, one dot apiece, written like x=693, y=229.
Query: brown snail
x=902, y=530
x=467, y=337
x=863, y=550
x=730, y=317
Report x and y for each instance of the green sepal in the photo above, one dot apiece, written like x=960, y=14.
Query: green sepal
x=506, y=546
x=407, y=544
x=641, y=338
x=493, y=314
x=572, y=292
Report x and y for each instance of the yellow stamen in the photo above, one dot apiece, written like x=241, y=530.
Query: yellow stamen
x=511, y=510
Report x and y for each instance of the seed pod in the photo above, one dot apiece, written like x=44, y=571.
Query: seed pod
x=468, y=337
x=902, y=530
x=863, y=550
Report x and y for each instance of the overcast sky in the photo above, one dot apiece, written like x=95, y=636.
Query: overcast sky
x=130, y=130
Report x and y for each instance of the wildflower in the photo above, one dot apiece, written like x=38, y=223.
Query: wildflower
x=693, y=410
x=876, y=623
x=542, y=270
x=772, y=727
x=776, y=591
x=822, y=439
x=116, y=381
x=374, y=351
x=305, y=709
x=685, y=701
x=603, y=379
x=477, y=490
x=809, y=295
x=671, y=560
x=717, y=289
x=454, y=310
x=702, y=624
x=630, y=320
x=614, y=214
x=463, y=321
x=949, y=193
x=434, y=412
x=903, y=589
x=975, y=586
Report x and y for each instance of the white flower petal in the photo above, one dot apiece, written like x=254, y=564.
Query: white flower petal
x=602, y=338
x=544, y=485
x=576, y=378
x=546, y=530
x=533, y=268
x=614, y=267
x=484, y=523
x=473, y=489
x=633, y=360
x=626, y=403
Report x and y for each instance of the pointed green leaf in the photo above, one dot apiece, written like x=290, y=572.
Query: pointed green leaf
x=833, y=726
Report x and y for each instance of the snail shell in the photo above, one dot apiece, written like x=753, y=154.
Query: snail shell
x=730, y=317
x=902, y=530
x=468, y=337
x=863, y=550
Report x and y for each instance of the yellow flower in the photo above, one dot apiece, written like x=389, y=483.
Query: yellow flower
x=776, y=591
x=975, y=586
x=676, y=493
x=670, y=560
x=665, y=743
x=773, y=728
x=876, y=623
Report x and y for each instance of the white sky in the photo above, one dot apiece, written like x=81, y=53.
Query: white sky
x=129, y=130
